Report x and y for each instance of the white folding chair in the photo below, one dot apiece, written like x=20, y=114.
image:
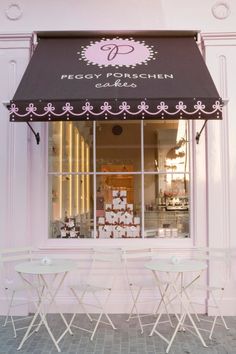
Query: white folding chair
x=106, y=265
x=11, y=284
x=141, y=283
x=218, y=262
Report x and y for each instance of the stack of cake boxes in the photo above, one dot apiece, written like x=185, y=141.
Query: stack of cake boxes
x=119, y=220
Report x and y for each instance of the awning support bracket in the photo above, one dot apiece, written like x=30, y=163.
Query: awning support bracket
x=198, y=134
x=37, y=136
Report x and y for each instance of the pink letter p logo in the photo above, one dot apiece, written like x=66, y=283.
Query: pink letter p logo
x=114, y=50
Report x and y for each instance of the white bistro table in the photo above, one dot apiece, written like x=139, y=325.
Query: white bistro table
x=47, y=290
x=176, y=289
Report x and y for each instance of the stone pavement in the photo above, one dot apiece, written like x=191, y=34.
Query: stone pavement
x=127, y=339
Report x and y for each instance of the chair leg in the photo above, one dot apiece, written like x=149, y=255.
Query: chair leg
x=80, y=301
x=137, y=312
x=8, y=314
x=109, y=320
x=135, y=299
x=164, y=291
x=134, y=307
x=219, y=309
x=192, y=306
x=96, y=326
x=217, y=305
x=103, y=306
x=101, y=313
x=9, y=309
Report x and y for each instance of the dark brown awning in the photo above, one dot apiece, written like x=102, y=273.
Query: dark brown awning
x=144, y=76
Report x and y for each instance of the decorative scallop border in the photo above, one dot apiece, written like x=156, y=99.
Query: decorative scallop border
x=68, y=112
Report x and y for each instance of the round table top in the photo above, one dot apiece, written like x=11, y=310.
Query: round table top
x=184, y=265
x=36, y=267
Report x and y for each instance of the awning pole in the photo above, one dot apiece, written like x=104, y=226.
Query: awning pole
x=37, y=136
x=199, y=133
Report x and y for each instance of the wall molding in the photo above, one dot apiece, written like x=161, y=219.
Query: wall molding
x=218, y=38
x=22, y=40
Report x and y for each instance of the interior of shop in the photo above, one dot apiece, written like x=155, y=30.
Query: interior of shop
x=131, y=178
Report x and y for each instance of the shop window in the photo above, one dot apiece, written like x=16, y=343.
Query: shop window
x=166, y=179
x=118, y=144
x=70, y=180
x=114, y=179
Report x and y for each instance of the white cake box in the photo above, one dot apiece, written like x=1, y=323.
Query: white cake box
x=104, y=234
x=119, y=203
x=174, y=232
x=73, y=234
x=126, y=218
x=119, y=207
x=137, y=220
x=115, y=193
x=101, y=220
x=71, y=223
x=108, y=228
x=119, y=213
x=111, y=217
x=133, y=231
x=161, y=232
x=119, y=231
x=63, y=233
x=167, y=232
x=105, y=231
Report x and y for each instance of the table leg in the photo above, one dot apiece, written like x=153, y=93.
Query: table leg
x=39, y=312
x=53, y=295
x=164, y=297
x=185, y=313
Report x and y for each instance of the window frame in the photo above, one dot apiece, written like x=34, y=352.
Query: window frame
x=142, y=173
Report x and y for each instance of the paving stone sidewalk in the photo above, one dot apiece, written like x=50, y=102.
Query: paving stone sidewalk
x=127, y=339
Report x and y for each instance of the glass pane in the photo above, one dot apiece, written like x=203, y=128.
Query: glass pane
x=70, y=147
x=166, y=205
x=166, y=146
x=118, y=146
x=118, y=206
x=71, y=206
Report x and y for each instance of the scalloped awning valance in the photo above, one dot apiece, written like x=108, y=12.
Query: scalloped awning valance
x=148, y=75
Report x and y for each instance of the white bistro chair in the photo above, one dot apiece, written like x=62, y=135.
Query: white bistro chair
x=144, y=289
x=96, y=291
x=218, y=265
x=12, y=286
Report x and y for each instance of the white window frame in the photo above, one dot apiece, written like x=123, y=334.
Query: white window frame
x=88, y=242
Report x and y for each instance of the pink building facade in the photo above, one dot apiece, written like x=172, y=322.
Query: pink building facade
x=23, y=164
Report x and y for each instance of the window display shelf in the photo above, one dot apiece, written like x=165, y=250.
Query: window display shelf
x=165, y=224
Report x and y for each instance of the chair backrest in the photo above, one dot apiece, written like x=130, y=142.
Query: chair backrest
x=105, y=267
x=16, y=254
x=134, y=261
x=9, y=257
x=218, y=263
